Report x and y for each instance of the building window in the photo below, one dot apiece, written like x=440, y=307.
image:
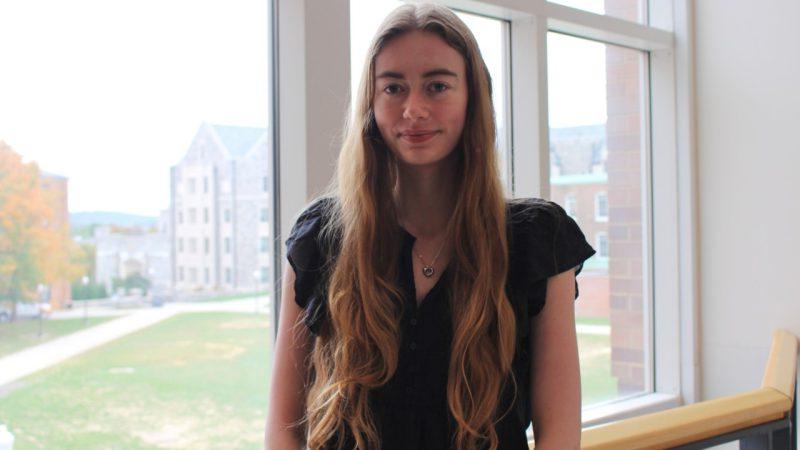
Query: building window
x=180, y=216
x=264, y=245
x=206, y=245
x=180, y=273
x=193, y=275
x=205, y=185
x=264, y=216
x=264, y=274
x=192, y=245
x=205, y=215
x=601, y=207
x=601, y=242
x=206, y=275
x=192, y=215
x=227, y=215
x=571, y=205
x=180, y=245
x=228, y=275
x=265, y=184
x=227, y=245
x=192, y=186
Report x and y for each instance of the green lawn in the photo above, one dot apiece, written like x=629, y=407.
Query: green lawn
x=18, y=335
x=194, y=381
x=597, y=384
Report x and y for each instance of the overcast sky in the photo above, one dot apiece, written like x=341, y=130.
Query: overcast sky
x=111, y=93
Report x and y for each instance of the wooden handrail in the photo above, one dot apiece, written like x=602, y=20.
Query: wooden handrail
x=702, y=420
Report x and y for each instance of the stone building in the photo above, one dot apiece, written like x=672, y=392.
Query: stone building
x=220, y=213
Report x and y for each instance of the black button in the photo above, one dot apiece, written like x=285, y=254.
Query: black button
x=413, y=322
x=413, y=346
x=409, y=390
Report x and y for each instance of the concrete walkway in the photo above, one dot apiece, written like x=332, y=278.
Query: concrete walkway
x=26, y=362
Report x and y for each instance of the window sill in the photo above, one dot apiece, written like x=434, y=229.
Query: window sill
x=595, y=415
x=629, y=407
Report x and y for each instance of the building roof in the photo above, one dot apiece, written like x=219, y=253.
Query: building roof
x=238, y=140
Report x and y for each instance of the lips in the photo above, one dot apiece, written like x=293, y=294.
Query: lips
x=418, y=136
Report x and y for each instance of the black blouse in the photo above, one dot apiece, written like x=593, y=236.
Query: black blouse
x=411, y=409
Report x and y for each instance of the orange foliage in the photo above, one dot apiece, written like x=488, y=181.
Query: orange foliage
x=34, y=246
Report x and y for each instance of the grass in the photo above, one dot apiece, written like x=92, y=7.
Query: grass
x=597, y=383
x=20, y=334
x=194, y=381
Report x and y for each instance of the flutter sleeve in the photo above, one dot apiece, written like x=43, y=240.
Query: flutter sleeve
x=543, y=241
x=309, y=260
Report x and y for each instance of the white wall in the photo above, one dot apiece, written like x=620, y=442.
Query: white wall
x=748, y=128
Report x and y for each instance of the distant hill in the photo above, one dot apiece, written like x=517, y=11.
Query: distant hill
x=83, y=219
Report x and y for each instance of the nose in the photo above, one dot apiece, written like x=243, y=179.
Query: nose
x=416, y=107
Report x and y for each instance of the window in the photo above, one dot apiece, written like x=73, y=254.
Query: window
x=264, y=215
x=228, y=275
x=265, y=184
x=601, y=244
x=158, y=117
x=601, y=207
x=227, y=216
x=571, y=205
x=206, y=245
x=264, y=245
x=635, y=10
x=227, y=244
x=264, y=274
x=596, y=122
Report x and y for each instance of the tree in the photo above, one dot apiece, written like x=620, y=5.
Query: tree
x=34, y=248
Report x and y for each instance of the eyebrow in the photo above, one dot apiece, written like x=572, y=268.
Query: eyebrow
x=428, y=74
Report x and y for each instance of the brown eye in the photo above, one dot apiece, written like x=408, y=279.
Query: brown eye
x=392, y=89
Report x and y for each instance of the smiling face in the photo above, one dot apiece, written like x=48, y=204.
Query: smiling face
x=420, y=99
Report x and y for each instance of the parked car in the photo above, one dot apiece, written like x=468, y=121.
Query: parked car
x=25, y=310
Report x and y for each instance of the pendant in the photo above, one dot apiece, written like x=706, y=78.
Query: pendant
x=427, y=271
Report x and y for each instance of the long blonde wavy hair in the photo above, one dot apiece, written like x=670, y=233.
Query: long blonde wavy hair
x=357, y=350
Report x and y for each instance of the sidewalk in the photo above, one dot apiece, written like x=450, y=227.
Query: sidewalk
x=25, y=362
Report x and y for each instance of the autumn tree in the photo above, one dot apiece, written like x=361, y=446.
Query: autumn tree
x=34, y=248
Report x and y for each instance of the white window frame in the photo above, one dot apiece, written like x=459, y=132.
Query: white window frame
x=571, y=205
x=597, y=216
x=312, y=54
x=597, y=239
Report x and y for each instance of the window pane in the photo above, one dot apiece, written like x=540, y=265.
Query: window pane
x=597, y=96
x=633, y=10
x=134, y=149
x=366, y=16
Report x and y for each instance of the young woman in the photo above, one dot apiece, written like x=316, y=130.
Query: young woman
x=420, y=308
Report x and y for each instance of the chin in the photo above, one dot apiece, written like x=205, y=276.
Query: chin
x=420, y=157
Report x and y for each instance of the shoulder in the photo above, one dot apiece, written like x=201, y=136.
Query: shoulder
x=305, y=243
x=543, y=239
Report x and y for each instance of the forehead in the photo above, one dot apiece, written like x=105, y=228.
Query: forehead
x=417, y=52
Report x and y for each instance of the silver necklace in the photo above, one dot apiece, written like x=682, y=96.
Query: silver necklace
x=428, y=270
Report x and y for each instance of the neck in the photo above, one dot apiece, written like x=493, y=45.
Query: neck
x=425, y=198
